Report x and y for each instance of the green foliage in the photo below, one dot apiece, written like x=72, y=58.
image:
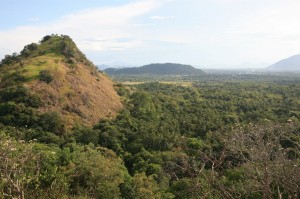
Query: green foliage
x=72, y=53
x=46, y=38
x=86, y=135
x=17, y=114
x=145, y=187
x=11, y=79
x=182, y=188
x=33, y=170
x=29, y=169
x=169, y=141
x=52, y=122
x=49, y=45
x=195, y=144
x=97, y=173
x=10, y=59
x=18, y=108
x=46, y=76
x=28, y=49
x=19, y=94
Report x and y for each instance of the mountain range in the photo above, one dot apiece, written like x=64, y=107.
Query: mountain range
x=289, y=64
x=156, y=69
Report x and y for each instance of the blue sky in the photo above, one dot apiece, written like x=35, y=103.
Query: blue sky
x=204, y=33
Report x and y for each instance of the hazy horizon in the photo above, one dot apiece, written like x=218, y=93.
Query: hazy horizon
x=246, y=65
x=203, y=33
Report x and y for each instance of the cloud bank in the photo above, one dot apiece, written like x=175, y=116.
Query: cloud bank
x=198, y=32
x=93, y=29
x=161, y=17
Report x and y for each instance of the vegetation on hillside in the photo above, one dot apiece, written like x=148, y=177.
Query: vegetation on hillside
x=34, y=58
x=169, y=142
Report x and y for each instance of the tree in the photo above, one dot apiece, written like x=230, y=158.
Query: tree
x=19, y=167
x=96, y=173
x=52, y=122
x=250, y=162
x=86, y=135
x=28, y=49
x=46, y=38
x=145, y=187
x=268, y=155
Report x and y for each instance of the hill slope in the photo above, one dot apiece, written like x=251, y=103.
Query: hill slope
x=289, y=64
x=61, y=77
x=156, y=69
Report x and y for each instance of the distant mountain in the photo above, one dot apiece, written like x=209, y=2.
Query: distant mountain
x=103, y=66
x=113, y=65
x=156, y=69
x=288, y=64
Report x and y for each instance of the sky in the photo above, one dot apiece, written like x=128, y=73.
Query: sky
x=203, y=33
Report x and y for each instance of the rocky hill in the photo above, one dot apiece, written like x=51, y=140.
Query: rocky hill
x=61, y=79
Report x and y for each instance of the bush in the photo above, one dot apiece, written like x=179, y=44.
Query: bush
x=8, y=59
x=46, y=38
x=86, y=135
x=28, y=49
x=19, y=94
x=46, y=76
x=52, y=122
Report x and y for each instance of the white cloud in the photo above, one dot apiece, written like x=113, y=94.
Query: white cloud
x=110, y=23
x=142, y=25
x=269, y=33
x=110, y=45
x=161, y=17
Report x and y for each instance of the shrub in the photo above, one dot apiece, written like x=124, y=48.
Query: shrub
x=46, y=38
x=46, y=76
x=28, y=49
x=52, y=122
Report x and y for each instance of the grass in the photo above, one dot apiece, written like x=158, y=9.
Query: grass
x=50, y=47
x=35, y=65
